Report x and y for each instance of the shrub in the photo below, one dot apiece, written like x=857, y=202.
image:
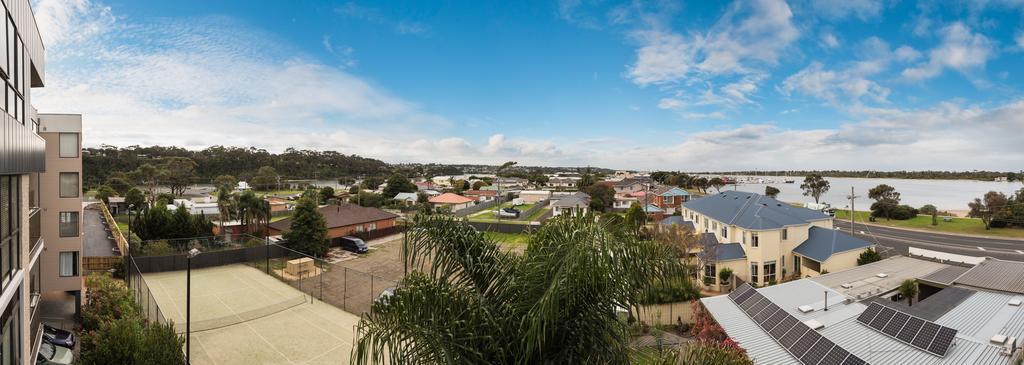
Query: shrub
x=116, y=333
x=157, y=248
x=107, y=300
x=928, y=209
x=868, y=256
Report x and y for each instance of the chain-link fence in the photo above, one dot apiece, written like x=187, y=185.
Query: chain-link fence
x=142, y=294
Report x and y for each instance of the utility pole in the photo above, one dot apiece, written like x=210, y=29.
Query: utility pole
x=852, y=197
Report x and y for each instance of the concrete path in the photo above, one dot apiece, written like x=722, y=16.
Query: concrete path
x=96, y=238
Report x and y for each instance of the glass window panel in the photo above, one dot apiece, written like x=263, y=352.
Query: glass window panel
x=69, y=263
x=69, y=145
x=69, y=224
x=3, y=52
x=5, y=207
x=69, y=185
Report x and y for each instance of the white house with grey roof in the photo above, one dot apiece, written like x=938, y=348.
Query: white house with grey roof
x=856, y=316
x=777, y=240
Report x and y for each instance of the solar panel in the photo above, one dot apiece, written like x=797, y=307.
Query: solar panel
x=869, y=313
x=882, y=318
x=775, y=320
x=942, y=341
x=909, y=331
x=786, y=325
x=804, y=344
x=793, y=335
x=817, y=352
x=762, y=318
x=895, y=324
x=750, y=303
x=745, y=296
x=765, y=305
x=834, y=357
x=854, y=360
x=739, y=291
x=927, y=334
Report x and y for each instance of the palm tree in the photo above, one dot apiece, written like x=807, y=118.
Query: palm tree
x=225, y=207
x=247, y=206
x=908, y=289
x=468, y=301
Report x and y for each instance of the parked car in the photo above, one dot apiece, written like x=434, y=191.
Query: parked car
x=386, y=294
x=354, y=244
x=508, y=212
x=59, y=337
x=50, y=354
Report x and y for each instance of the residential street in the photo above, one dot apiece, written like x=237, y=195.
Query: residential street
x=901, y=239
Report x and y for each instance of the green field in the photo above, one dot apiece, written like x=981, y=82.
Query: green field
x=972, y=226
x=515, y=239
x=487, y=215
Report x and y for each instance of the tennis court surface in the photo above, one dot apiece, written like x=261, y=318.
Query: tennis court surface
x=242, y=316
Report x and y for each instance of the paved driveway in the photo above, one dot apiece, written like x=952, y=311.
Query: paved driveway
x=97, y=239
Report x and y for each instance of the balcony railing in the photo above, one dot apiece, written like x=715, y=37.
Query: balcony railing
x=34, y=229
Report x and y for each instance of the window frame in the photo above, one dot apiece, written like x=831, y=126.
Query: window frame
x=785, y=234
x=61, y=223
x=75, y=270
x=754, y=241
x=60, y=144
x=78, y=185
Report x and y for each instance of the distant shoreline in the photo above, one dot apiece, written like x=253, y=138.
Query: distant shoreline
x=987, y=176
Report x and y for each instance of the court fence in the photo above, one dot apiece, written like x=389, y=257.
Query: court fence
x=325, y=280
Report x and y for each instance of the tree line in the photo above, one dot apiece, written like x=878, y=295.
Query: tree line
x=903, y=174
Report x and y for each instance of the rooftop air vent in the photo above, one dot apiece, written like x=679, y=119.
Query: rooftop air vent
x=998, y=339
x=882, y=275
x=847, y=285
x=805, y=308
x=1014, y=302
x=813, y=324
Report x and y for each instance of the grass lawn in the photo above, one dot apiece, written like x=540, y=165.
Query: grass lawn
x=972, y=226
x=536, y=215
x=280, y=193
x=515, y=239
x=280, y=217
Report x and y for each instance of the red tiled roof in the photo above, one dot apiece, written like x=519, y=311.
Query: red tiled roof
x=450, y=198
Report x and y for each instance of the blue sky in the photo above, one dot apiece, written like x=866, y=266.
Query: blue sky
x=844, y=84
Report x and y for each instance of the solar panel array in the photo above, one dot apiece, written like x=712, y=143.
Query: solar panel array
x=906, y=328
x=793, y=335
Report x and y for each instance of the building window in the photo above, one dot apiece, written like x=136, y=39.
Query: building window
x=69, y=224
x=372, y=227
x=69, y=185
x=10, y=226
x=753, y=239
x=69, y=145
x=753, y=273
x=769, y=271
x=669, y=200
x=69, y=263
x=782, y=263
x=725, y=232
x=785, y=234
x=709, y=274
x=10, y=349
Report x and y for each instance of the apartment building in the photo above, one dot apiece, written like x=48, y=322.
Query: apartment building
x=60, y=196
x=22, y=163
x=763, y=240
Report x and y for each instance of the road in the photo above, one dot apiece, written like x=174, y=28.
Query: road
x=894, y=240
x=96, y=237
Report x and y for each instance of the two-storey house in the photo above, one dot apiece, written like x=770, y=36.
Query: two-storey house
x=763, y=240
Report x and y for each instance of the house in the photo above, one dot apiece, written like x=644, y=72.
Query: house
x=431, y=193
x=243, y=186
x=669, y=198
x=623, y=201
x=205, y=206
x=481, y=195
x=344, y=220
x=453, y=201
x=562, y=183
x=778, y=240
x=279, y=205
x=626, y=186
x=407, y=198
x=510, y=182
x=117, y=205
x=675, y=220
x=534, y=196
x=858, y=316
x=573, y=204
x=653, y=212
x=425, y=185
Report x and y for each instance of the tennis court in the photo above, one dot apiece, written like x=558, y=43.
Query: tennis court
x=242, y=316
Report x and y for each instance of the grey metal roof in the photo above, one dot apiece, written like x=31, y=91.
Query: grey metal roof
x=579, y=199
x=863, y=281
x=729, y=251
x=752, y=211
x=933, y=307
x=842, y=328
x=679, y=221
x=995, y=274
x=946, y=276
x=822, y=243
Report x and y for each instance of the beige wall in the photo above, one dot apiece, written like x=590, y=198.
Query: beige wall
x=52, y=204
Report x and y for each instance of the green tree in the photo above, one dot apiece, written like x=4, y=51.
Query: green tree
x=602, y=196
x=103, y=193
x=554, y=304
x=868, y=256
x=119, y=184
x=372, y=182
x=815, y=186
x=586, y=180
x=635, y=218
x=225, y=182
x=928, y=209
x=308, y=231
x=135, y=199
x=326, y=194
x=115, y=332
x=724, y=275
x=717, y=183
x=398, y=183
x=225, y=207
x=701, y=183
x=988, y=208
x=479, y=184
x=771, y=192
x=148, y=176
x=179, y=172
x=886, y=200
x=908, y=289
x=266, y=178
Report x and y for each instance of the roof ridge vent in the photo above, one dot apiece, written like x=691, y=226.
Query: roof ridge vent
x=805, y=308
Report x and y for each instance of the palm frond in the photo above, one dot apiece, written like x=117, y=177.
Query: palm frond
x=451, y=250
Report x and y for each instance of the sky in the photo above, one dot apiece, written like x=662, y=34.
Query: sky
x=646, y=85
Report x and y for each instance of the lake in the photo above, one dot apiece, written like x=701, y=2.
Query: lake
x=952, y=195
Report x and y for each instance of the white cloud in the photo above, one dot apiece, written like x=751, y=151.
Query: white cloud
x=1020, y=40
x=373, y=15
x=829, y=40
x=665, y=57
x=670, y=103
x=838, y=9
x=853, y=83
x=960, y=49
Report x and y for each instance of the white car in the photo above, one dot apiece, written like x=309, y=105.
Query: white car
x=55, y=355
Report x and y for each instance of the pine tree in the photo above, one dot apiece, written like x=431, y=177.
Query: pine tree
x=308, y=232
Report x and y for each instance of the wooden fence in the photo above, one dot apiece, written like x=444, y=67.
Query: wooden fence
x=115, y=231
x=665, y=314
x=99, y=263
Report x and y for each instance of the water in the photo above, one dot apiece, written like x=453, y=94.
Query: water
x=952, y=195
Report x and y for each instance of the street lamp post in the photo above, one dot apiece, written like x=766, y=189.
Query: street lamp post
x=188, y=305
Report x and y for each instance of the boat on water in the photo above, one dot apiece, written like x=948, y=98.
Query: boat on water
x=790, y=181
